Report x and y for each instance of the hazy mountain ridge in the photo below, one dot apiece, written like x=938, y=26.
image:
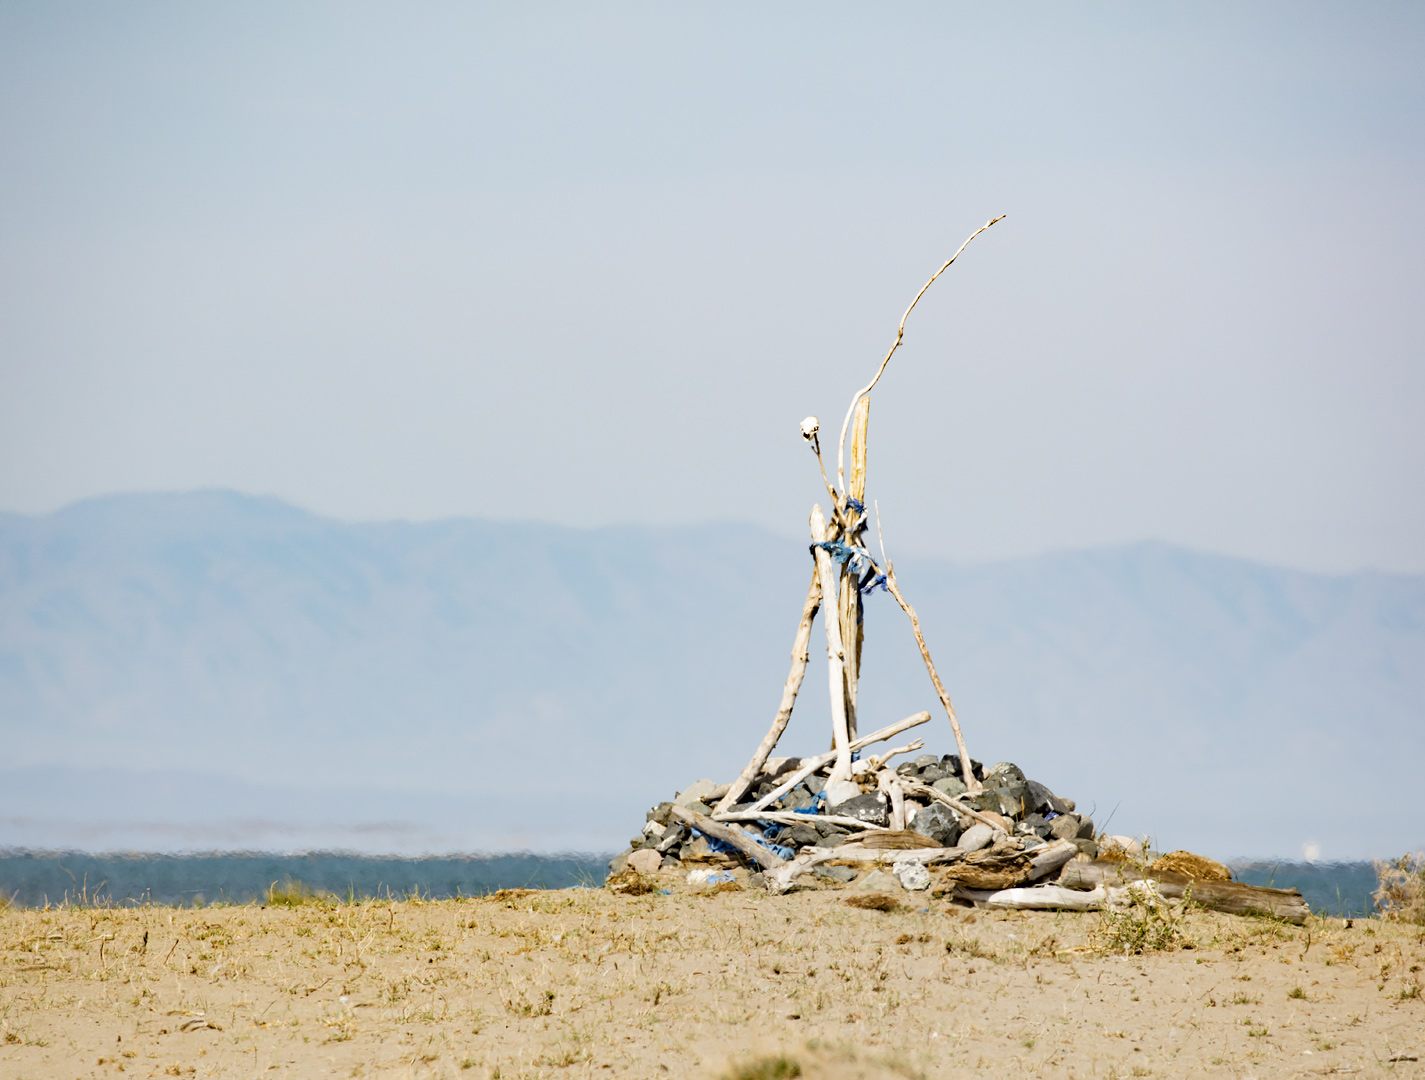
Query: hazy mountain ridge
x=484, y=662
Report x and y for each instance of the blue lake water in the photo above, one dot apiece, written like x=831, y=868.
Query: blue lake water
x=36, y=878
x=33, y=879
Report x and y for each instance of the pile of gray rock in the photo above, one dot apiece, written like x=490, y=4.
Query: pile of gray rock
x=1009, y=804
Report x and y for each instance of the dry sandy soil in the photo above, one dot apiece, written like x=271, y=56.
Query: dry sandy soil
x=585, y=983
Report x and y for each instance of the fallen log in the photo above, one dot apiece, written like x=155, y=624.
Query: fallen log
x=1038, y=898
x=1231, y=897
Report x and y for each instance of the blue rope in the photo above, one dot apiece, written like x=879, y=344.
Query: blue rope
x=855, y=504
x=723, y=847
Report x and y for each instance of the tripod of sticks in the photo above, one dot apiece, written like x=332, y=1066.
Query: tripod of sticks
x=844, y=572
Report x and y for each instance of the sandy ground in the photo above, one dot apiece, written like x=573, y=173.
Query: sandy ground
x=584, y=983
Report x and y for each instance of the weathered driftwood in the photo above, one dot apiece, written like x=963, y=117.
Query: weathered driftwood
x=848, y=600
x=1231, y=897
x=1002, y=867
x=889, y=783
x=835, y=649
x=769, y=860
x=1038, y=898
x=813, y=764
x=1045, y=860
x=915, y=787
x=900, y=336
x=875, y=761
x=783, y=877
x=899, y=839
x=787, y=817
x=801, y=653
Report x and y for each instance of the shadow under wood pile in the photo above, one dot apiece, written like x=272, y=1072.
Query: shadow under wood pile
x=990, y=837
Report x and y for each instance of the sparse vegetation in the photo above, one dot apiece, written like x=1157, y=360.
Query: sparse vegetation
x=1147, y=923
x=767, y=1068
x=1400, y=895
x=292, y=893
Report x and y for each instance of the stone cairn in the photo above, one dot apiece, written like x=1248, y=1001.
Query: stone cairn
x=990, y=837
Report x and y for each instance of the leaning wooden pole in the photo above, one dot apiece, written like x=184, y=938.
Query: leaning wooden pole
x=835, y=649
x=801, y=654
x=848, y=601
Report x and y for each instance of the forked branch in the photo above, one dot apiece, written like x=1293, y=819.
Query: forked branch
x=900, y=333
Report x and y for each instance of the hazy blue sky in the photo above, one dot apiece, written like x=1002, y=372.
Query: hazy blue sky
x=594, y=263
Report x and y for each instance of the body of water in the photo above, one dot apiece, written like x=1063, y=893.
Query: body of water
x=35, y=878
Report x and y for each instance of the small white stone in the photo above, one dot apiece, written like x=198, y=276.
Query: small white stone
x=912, y=875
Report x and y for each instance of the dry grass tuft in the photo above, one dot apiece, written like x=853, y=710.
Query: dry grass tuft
x=293, y=894
x=1401, y=893
x=874, y=902
x=1147, y=923
x=629, y=883
x=767, y=1068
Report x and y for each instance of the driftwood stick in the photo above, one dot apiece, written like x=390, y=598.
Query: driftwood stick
x=1045, y=860
x=835, y=649
x=782, y=878
x=966, y=773
x=889, y=783
x=848, y=606
x=1228, y=896
x=800, y=655
x=788, y=817
x=900, y=334
x=1039, y=898
x=915, y=787
x=769, y=860
x=811, y=765
x=876, y=761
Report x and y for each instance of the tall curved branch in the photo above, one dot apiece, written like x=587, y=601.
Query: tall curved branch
x=900, y=333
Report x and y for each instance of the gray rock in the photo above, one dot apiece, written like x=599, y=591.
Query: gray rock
x=797, y=800
x=1036, y=825
x=814, y=784
x=938, y=822
x=931, y=773
x=646, y=861
x=926, y=759
x=1064, y=827
x=672, y=839
x=1085, y=827
x=1087, y=847
x=699, y=808
x=1005, y=771
x=907, y=769
x=662, y=813
x=695, y=792
x=975, y=837
x=839, y=874
x=1014, y=798
x=670, y=863
x=950, y=785
x=912, y=875
x=828, y=830
x=879, y=881
x=871, y=808
x=619, y=863
x=801, y=835
x=987, y=799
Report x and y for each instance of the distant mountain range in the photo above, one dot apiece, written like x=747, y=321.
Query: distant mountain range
x=214, y=670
